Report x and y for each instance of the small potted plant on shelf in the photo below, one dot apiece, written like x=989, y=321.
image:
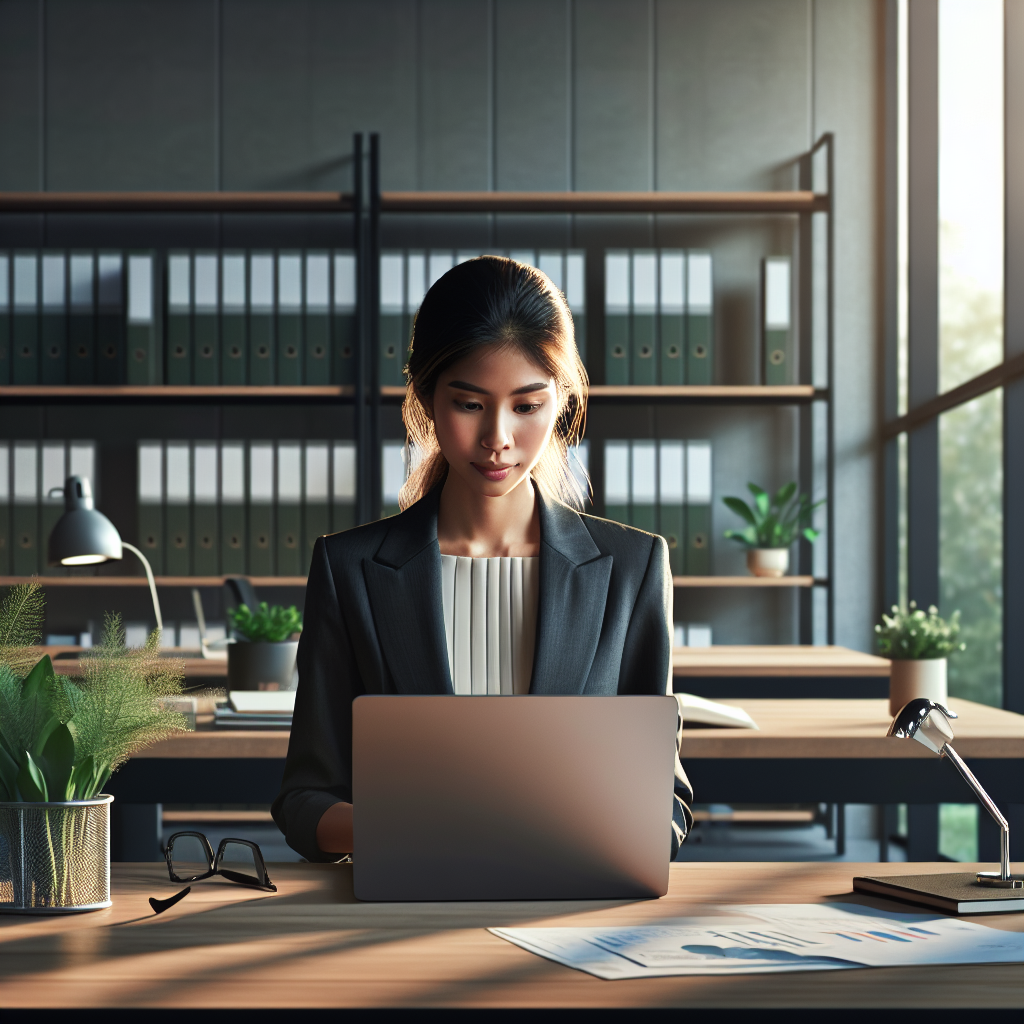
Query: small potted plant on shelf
x=773, y=523
x=60, y=740
x=264, y=659
x=919, y=645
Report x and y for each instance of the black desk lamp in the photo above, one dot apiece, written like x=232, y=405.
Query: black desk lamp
x=85, y=536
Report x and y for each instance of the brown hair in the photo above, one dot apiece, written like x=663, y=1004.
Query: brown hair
x=486, y=301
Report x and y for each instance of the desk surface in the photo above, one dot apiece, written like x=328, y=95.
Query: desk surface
x=787, y=729
x=312, y=945
x=777, y=660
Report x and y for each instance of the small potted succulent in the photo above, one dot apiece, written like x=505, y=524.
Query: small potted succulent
x=264, y=658
x=773, y=523
x=918, y=645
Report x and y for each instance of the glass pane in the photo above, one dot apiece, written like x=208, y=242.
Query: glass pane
x=970, y=188
x=237, y=859
x=189, y=858
x=971, y=542
x=958, y=831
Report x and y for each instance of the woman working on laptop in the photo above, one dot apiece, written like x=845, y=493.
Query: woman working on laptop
x=489, y=581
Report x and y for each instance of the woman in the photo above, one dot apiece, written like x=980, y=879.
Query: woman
x=488, y=581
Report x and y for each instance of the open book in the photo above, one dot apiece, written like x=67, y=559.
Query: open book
x=698, y=711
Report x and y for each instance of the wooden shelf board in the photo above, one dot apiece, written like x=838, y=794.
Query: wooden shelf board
x=710, y=392
x=744, y=581
x=776, y=660
x=191, y=392
x=140, y=581
x=174, y=202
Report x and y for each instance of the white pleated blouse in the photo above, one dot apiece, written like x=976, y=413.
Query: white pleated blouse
x=490, y=622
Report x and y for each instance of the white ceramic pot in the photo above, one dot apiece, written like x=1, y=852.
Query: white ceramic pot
x=910, y=678
x=768, y=561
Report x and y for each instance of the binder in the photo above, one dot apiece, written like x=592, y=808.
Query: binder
x=232, y=508
x=579, y=466
x=110, y=328
x=438, y=264
x=671, y=502
x=776, y=320
x=671, y=304
x=698, y=508
x=179, y=318
x=5, y=318
x=177, y=508
x=25, y=518
x=392, y=317
x=53, y=474
x=550, y=262
x=205, y=540
x=698, y=634
x=699, y=326
x=82, y=462
x=344, y=316
x=261, y=319
x=616, y=481
x=316, y=509
x=343, y=486
x=318, y=318
x=644, y=319
x=576, y=297
x=81, y=322
x=643, y=486
x=291, y=559
x=415, y=290
x=233, y=346
x=465, y=255
x=616, y=317
x=206, y=319
x=392, y=464
x=26, y=319
x=5, y=509
x=679, y=634
x=53, y=349
x=143, y=357
x=527, y=256
x=289, y=318
x=261, y=508
x=150, y=488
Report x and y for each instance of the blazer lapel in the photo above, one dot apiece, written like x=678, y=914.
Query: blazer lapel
x=574, y=578
x=403, y=581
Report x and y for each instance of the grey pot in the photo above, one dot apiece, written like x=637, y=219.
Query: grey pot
x=262, y=666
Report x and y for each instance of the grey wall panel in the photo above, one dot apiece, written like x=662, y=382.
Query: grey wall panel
x=19, y=95
x=130, y=94
x=732, y=93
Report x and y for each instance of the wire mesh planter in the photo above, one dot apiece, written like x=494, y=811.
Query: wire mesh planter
x=55, y=857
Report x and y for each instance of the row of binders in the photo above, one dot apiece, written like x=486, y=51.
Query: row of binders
x=665, y=487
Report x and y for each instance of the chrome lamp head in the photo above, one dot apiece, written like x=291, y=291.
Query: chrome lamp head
x=927, y=721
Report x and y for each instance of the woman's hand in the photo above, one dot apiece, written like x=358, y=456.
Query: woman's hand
x=334, y=830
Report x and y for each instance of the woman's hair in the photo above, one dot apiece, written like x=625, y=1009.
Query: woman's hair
x=494, y=301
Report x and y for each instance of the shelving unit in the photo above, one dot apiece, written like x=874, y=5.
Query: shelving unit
x=140, y=581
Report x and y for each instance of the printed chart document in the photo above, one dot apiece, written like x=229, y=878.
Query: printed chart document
x=770, y=939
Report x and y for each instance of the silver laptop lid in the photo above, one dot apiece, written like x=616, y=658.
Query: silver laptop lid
x=491, y=798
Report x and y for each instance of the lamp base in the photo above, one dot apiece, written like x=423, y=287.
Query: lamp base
x=955, y=893
x=993, y=880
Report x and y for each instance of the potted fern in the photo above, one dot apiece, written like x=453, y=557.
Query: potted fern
x=773, y=523
x=919, y=645
x=264, y=659
x=60, y=740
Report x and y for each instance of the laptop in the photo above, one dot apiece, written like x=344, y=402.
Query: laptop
x=512, y=798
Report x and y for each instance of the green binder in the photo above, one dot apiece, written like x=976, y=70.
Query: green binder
x=699, y=321
x=698, y=508
x=53, y=474
x=205, y=539
x=616, y=481
x=25, y=512
x=206, y=319
x=233, y=343
x=576, y=297
x=144, y=363
x=616, y=317
x=261, y=319
x=110, y=326
x=53, y=349
x=671, y=304
x=5, y=318
x=5, y=509
x=392, y=476
x=179, y=318
x=261, y=508
x=644, y=317
x=316, y=509
x=671, y=501
x=343, y=315
x=318, y=318
x=643, y=487
x=26, y=319
x=232, y=508
x=291, y=558
x=150, y=490
x=178, y=508
x=777, y=320
x=392, y=318
x=343, y=486
x=82, y=321
x=289, y=318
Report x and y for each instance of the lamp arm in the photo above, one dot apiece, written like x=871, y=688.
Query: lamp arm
x=152, y=583
x=988, y=804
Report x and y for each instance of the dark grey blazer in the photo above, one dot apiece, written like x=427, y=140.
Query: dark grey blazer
x=374, y=624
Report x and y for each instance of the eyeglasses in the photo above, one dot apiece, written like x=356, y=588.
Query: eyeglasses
x=190, y=858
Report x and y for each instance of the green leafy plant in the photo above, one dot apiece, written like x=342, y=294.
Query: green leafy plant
x=914, y=634
x=773, y=522
x=266, y=625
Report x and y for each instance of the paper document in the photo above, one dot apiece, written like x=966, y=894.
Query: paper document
x=700, y=711
x=770, y=939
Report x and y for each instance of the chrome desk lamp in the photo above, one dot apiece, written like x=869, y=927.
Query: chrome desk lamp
x=928, y=722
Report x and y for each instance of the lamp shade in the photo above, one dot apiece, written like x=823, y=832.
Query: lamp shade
x=83, y=535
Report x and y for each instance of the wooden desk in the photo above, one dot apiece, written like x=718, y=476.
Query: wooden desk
x=311, y=945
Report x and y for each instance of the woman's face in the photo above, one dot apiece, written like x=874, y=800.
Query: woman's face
x=494, y=412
